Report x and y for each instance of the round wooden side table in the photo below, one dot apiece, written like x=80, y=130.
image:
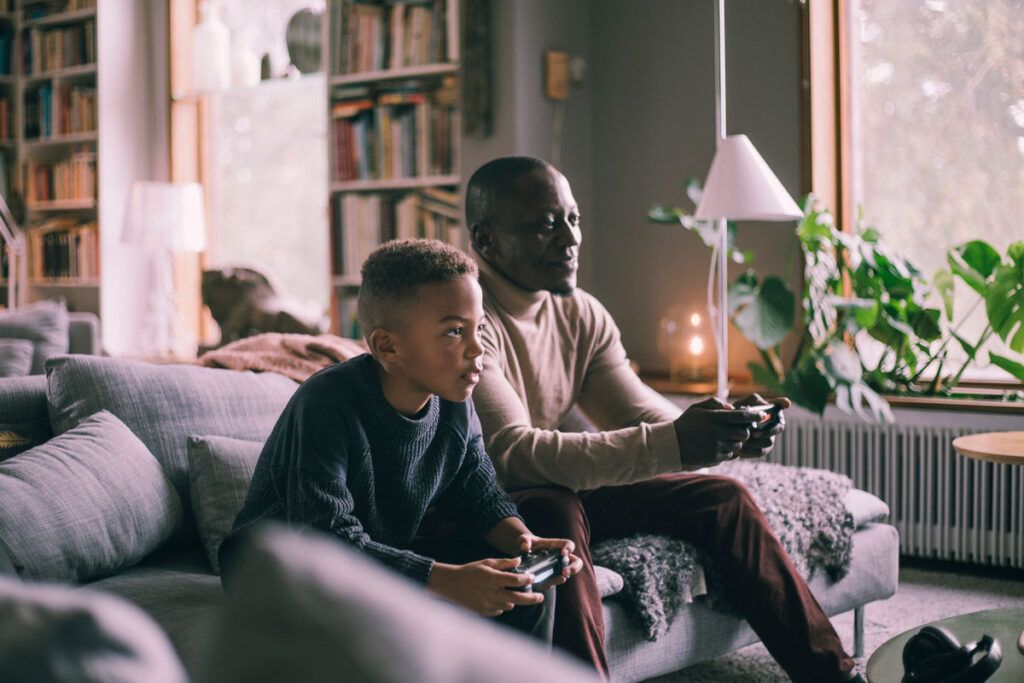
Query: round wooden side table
x=1004, y=447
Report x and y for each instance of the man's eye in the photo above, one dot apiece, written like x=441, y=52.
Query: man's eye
x=574, y=220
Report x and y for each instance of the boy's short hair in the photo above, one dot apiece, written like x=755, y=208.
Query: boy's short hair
x=395, y=270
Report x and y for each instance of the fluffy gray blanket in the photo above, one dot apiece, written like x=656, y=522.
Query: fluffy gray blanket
x=805, y=509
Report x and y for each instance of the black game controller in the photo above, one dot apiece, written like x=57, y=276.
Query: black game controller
x=770, y=408
x=542, y=564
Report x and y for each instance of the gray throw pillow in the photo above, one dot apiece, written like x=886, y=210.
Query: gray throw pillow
x=164, y=404
x=343, y=612
x=84, y=504
x=44, y=323
x=219, y=473
x=16, y=357
x=63, y=635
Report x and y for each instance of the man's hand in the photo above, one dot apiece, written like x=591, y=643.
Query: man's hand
x=529, y=543
x=762, y=438
x=712, y=431
x=483, y=586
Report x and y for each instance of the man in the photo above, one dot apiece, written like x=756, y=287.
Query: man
x=550, y=346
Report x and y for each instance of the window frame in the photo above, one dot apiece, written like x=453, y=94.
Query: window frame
x=828, y=155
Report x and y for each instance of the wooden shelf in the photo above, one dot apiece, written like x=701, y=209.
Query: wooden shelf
x=394, y=183
x=63, y=205
x=69, y=72
x=62, y=18
x=58, y=140
x=65, y=282
x=366, y=77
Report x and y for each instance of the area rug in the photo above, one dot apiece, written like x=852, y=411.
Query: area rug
x=926, y=593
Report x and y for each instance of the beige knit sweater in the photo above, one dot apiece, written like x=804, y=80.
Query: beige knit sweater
x=543, y=354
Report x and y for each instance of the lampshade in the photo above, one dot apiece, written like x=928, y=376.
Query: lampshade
x=166, y=216
x=740, y=186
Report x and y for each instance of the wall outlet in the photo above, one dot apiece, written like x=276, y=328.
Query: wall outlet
x=556, y=75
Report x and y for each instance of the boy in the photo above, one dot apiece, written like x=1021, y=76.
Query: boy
x=365, y=447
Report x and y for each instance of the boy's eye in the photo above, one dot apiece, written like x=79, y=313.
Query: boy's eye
x=454, y=332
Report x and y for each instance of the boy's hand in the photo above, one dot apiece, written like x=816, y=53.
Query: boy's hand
x=482, y=586
x=529, y=543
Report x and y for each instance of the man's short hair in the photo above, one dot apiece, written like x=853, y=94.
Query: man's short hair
x=395, y=270
x=491, y=181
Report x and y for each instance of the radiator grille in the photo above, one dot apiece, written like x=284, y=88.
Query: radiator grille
x=945, y=506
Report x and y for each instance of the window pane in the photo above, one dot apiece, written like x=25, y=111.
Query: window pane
x=268, y=162
x=937, y=91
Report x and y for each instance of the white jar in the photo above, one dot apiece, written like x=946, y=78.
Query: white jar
x=211, y=51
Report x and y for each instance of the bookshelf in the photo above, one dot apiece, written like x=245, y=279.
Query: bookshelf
x=48, y=142
x=394, y=122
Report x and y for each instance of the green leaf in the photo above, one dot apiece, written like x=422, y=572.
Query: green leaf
x=659, y=213
x=974, y=262
x=1011, y=366
x=871, y=235
x=742, y=256
x=867, y=317
x=763, y=313
x=926, y=324
x=1016, y=253
x=1005, y=305
x=944, y=284
x=765, y=377
x=806, y=386
x=968, y=347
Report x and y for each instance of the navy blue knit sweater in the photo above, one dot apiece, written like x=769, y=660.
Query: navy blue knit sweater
x=341, y=459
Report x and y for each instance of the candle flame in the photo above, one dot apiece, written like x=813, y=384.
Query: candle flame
x=696, y=345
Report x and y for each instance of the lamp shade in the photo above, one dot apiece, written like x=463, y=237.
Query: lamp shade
x=740, y=186
x=166, y=216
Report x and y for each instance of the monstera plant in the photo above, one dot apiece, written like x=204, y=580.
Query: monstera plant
x=855, y=288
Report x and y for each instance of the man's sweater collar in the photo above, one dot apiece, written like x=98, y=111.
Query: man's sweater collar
x=507, y=295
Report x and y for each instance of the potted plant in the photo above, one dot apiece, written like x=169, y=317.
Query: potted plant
x=856, y=289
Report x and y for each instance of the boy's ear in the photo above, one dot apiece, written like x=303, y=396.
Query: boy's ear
x=382, y=345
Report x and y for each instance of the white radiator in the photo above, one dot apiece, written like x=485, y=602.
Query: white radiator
x=945, y=506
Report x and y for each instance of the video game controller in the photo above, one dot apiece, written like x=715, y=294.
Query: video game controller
x=770, y=408
x=543, y=564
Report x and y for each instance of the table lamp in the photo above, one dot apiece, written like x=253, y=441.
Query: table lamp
x=165, y=218
x=739, y=186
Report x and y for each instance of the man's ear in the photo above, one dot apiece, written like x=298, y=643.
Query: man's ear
x=482, y=237
x=382, y=346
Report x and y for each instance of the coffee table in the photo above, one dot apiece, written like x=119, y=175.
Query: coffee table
x=886, y=664
x=1004, y=447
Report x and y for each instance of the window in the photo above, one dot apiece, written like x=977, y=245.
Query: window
x=936, y=130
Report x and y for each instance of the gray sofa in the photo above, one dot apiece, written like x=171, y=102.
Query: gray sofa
x=163, y=405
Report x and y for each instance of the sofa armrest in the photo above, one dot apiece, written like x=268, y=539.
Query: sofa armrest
x=84, y=333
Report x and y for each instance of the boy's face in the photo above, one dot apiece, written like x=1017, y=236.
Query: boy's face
x=437, y=342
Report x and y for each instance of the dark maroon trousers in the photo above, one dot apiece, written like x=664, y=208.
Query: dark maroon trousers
x=714, y=513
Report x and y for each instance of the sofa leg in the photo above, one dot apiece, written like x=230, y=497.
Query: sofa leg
x=858, y=631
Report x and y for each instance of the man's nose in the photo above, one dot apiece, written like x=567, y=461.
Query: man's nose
x=568, y=234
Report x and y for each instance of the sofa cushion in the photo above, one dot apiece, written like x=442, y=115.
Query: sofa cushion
x=220, y=470
x=44, y=323
x=343, y=612
x=16, y=357
x=84, y=503
x=55, y=633
x=24, y=421
x=164, y=404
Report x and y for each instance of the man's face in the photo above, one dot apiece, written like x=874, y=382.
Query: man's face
x=534, y=233
x=437, y=341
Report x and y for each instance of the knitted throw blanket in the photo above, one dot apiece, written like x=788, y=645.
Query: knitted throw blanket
x=805, y=509
x=296, y=356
